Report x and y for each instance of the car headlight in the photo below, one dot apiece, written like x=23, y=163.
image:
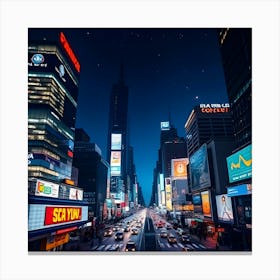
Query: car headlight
x=133, y=249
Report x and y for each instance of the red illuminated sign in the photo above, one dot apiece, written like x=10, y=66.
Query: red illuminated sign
x=70, y=154
x=69, y=51
x=215, y=110
x=58, y=215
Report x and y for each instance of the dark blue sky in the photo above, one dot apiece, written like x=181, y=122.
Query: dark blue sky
x=165, y=69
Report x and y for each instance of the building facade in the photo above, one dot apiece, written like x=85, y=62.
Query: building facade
x=118, y=146
x=236, y=54
x=207, y=122
x=56, y=208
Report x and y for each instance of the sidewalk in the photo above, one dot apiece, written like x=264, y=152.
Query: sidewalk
x=210, y=243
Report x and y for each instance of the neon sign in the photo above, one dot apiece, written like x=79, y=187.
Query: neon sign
x=69, y=51
x=214, y=108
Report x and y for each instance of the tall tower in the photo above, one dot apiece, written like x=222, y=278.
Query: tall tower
x=118, y=140
x=237, y=66
x=53, y=79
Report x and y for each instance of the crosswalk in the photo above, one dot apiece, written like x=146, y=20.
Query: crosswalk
x=192, y=246
x=108, y=247
x=112, y=247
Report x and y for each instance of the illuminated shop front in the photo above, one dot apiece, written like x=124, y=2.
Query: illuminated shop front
x=54, y=211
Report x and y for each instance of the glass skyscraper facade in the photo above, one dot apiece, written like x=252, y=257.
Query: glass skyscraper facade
x=53, y=79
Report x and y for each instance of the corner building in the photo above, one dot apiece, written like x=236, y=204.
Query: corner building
x=53, y=75
x=56, y=208
x=207, y=122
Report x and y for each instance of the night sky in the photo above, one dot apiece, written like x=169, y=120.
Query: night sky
x=167, y=70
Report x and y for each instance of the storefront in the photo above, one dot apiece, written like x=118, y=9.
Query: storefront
x=51, y=221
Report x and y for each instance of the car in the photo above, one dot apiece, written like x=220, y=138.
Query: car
x=168, y=226
x=116, y=228
x=119, y=235
x=126, y=229
x=134, y=231
x=130, y=246
x=108, y=232
x=171, y=238
x=175, y=225
x=185, y=239
x=180, y=231
x=163, y=233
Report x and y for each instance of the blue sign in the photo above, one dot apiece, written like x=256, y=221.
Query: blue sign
x=199, y=169
x=37, y=58
x=240, y=165
x=196, y=199
x=239, y=190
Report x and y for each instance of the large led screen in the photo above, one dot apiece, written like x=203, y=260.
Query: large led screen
x=240, y=165
x=197, y=203
x=179, y=167
x=168, y=194
x=206, y=205
x=116, y=140
x=199, y=169
x=224, y=208
x=115, y=163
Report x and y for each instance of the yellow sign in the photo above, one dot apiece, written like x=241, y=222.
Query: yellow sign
x=57, y=240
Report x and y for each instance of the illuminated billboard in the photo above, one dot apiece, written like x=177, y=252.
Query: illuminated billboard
x=75, y=194
x=164, y=126
x=199, y=169
x=214, y=108
x=197, y=204
x=163, y=197
x=168, y=194
x=224, y=208
x=161, y=182
x=206, y=205
x=179, y=167
x=48, y=189
x=41, y=216
x=116, y=141
x=115, y=163
x=239, y=165
x=244, y=189
x=69, y=51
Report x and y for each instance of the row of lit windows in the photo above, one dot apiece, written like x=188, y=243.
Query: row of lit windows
x=54, y=125
x=47, y=91
x=42, y=169
x=44, y=152
x=42, y=138
x=56, y=83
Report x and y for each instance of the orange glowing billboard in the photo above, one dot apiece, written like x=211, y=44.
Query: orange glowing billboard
x=206, y=208
x=179, y=167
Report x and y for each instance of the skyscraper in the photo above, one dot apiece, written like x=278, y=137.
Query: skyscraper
x=118, y=140
x=236, y=52
x=53, y=80
x=208, y=122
